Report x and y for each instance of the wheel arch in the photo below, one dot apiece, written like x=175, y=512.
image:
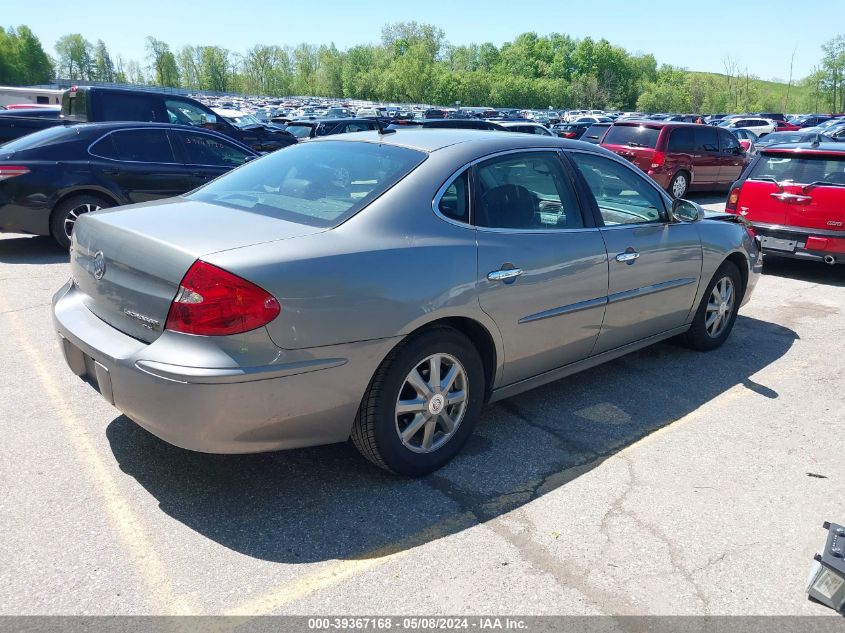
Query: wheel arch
x=86, y=190
x=479, y=335
x=741, y=262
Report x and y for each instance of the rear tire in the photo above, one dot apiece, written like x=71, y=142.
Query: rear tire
x=410, y=423
x=717, y=311
x=64, y=216
x=679, y=185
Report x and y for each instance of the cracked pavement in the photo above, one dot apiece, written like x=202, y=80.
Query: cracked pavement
x=666, y=482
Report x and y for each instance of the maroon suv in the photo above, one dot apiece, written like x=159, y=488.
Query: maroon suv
x=679, y=156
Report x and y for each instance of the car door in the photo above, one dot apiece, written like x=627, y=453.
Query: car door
x=654, y=265
x=732, y=158
x=142, y=163
x=707, y=159
x=542, y=265
x=207, y=156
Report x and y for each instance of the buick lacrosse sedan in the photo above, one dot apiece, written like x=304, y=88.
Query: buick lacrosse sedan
x=384, y=287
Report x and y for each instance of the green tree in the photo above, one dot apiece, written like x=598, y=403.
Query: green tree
x=74, y=57
x=162, y=63
x=103, y=65
x=214, y=68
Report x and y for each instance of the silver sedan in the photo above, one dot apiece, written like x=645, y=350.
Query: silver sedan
x=384, y=287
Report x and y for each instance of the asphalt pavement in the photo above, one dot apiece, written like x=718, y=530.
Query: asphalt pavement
x=665, y=482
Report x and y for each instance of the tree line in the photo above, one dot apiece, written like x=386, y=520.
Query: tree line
x=415, y=63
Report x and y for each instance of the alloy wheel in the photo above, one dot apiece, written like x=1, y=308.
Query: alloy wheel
x=679, y=187
x=73, y=215
x=720, y=306
x=432, y=403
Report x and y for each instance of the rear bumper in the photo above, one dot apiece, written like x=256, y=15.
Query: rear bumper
x=808, y=244
x=305, y=398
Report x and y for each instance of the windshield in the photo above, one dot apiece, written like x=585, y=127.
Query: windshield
x=803, y=170
x=319, y=184
x=299, y=131
x=246, y=120
x=632, y=135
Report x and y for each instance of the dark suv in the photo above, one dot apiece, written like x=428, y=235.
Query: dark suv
x=679, y=156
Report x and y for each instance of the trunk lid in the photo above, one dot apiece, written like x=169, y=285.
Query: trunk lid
x=758, y=202
x=129, y=261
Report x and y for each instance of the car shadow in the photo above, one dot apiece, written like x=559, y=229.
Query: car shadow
x=803, y=270
x=31, y=250
x=328, y=503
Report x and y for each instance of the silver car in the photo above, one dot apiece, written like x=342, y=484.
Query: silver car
x=384, y=287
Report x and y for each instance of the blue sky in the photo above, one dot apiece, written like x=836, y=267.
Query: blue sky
x=696, y=35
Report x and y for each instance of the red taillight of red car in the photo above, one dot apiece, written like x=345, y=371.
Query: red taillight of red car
x=733, y=198
x=658, y=159
x=10, y=171
x=214, y=302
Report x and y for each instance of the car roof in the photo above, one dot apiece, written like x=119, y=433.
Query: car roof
x=107, y=126
x=822, y=149
x=433, y=139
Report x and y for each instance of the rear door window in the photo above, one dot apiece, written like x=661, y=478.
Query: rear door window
x=681, y=140
x=632, y=135
x=206, y=149
x=527, y=191
x=143, y=146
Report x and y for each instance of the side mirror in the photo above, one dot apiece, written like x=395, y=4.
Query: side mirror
x=686, y=211
x=208, y=119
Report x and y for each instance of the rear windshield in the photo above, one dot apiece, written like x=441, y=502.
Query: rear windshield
x=41, y=138
x=319, y=184
x=632, y=135
x=803, y=170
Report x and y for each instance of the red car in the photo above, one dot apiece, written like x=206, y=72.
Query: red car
x=794, y=197
x=679, y=156
x=786, y=126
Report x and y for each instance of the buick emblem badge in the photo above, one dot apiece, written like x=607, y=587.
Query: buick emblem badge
x=99, y=265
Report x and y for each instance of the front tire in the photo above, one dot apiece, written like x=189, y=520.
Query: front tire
x=67, y=212
x=422, y=403
x=717, y=312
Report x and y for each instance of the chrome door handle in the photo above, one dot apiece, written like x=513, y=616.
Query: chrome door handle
x=627, y=257
x=504, y=274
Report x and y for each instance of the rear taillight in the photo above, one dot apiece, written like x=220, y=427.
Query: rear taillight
x=214, y=302
x=733, y=198
x=658, y=160
x=10, y=171
x=570, y=134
